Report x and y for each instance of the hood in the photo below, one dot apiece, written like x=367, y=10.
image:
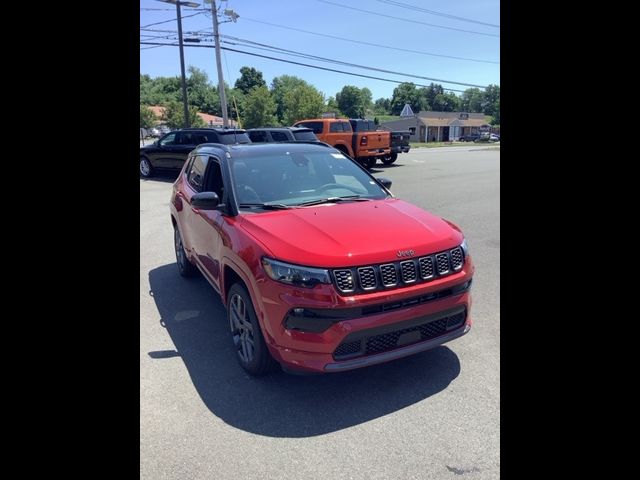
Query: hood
x=350, y=234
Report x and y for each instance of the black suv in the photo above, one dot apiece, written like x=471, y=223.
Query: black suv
x=282, y=134
x=171, y=151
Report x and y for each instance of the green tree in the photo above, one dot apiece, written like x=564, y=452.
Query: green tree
x=352, y=101
x=382, y=106
x=446, y=102
x=279, y=87
x=429, y=95
x=249, y=78
x=173, y=116
x=491, y=100
x=259, y=109
x=201, y=93
x=147, y=117
x=332, y=107
x=471, y=100
x=495, y=119
x=406, y=93
x=302, y=102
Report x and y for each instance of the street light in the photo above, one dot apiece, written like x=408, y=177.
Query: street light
x=178, y=3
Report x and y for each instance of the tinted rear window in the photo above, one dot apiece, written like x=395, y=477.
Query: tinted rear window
x=279, y=136
x=231, y=137
x=306, y=136
x=315, y=126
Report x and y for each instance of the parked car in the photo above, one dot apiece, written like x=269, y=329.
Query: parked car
x=281, y=134
x=171, y=151
x=154, y=132
x=494, y=137
x=320, y=267
x=471, y=137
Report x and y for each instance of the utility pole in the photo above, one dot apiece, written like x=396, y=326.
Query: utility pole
x=185, y=103
x=187, y=124
x=216, y=36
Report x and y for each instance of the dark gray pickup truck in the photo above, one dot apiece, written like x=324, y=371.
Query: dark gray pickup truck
x=399, y=144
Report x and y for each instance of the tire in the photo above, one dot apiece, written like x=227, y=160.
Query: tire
x=369, y=162
x=146, y=169
x=251, y=351
x=185, y=267
x=390, y=159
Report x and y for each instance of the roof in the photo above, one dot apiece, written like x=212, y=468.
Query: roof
x=281, y=129
x=248, y=149
x=445, y=119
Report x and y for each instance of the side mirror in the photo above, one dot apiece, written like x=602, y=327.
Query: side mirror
x=205, y=200
x=385, y=182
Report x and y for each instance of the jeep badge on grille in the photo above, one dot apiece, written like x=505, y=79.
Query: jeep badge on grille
x=405, y=253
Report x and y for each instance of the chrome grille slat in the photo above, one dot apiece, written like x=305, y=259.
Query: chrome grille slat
x=456, y=258
x=408, y=271
x=388, y=275
x=367, y=276
x=426, y=268
x=344, y=280
x=442, y=263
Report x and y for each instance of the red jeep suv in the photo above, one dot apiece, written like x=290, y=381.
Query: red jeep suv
x=320, y=267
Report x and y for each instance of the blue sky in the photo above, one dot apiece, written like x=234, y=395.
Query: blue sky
x=327, y=18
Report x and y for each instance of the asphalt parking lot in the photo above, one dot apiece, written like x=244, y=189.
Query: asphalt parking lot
x=434, y=415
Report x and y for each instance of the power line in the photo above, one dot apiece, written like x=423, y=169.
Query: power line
x=348, y=64
x=433, y=12
x=409, y=20
x=172, y=20
x=368, y=43
x=272, y=48
x=149, y=48
x=297, y=63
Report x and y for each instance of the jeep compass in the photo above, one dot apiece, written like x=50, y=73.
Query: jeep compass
x=320, y=267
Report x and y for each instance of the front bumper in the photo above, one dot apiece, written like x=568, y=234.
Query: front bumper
x=358, y=314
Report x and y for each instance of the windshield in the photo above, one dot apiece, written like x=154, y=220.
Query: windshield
x=297, y=178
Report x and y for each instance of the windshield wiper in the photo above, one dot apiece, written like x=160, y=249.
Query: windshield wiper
x=349, y=198
x=265, y=206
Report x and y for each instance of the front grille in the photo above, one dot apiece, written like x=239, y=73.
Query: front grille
x=456, y=258
x=367, y=278
x=344, y=280
x=388, y=275
x=402, y=337
x=398, y=274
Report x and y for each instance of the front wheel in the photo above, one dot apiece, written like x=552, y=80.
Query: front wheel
x=251, y=350
x=146, y=169
x=185, y=267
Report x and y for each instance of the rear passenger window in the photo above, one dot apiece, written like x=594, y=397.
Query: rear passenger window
x=258, y=137
x=195, y=177
x=336, y=127
x=279, y=137
x=346, y=126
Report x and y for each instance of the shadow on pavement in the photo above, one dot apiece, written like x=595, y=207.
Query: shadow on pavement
x=279, y=404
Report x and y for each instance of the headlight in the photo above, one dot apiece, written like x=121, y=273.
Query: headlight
x=465, y=248
x=295, y=274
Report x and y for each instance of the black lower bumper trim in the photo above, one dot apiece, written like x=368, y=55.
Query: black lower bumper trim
x=395, y=354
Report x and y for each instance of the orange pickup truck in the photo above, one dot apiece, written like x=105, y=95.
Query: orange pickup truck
x=355, y=137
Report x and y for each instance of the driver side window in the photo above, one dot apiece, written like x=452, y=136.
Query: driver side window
x=168, y=140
